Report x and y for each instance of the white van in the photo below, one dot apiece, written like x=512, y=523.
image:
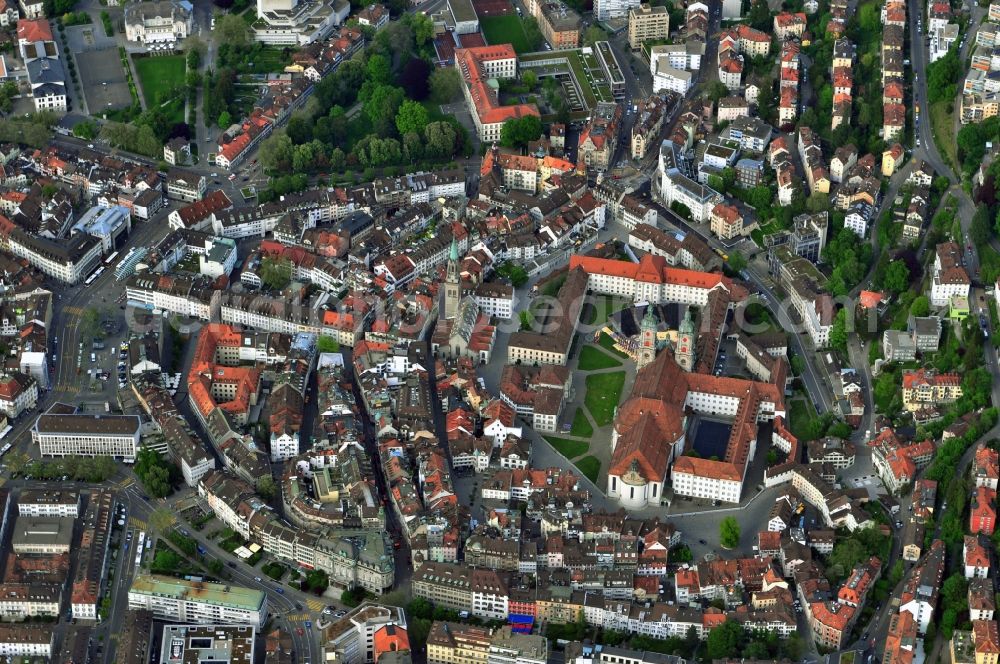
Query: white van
x=93, y=358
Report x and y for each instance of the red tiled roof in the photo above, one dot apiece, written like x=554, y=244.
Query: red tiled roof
x=29, y=31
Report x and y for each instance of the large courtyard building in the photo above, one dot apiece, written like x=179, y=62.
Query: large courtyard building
x=481, y=68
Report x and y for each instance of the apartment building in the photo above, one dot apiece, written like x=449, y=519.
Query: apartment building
x=923, y=388
x=29, y=641
x=200, y=602
x=949, y=277
x=87, y=435
x=45, y=503
x=647, y=23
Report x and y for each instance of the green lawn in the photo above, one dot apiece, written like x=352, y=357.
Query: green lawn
x=581, y=425
x=159, y=75
x=505, y=30
x=590, y=467
x=603, y=392
x=800, y=414
x=568, y=448
x=591, y=359
x=943, y=126
x=608, y=343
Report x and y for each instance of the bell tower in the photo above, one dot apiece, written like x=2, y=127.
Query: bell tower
x=647, y=338
x=452, y=283
x=684, y=352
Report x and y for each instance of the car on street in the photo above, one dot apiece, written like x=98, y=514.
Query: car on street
x=299, y=631
x=257, y=579
x=701, y=541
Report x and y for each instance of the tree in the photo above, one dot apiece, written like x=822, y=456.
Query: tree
x=411, y=117
x=17, y=462
x=717, y=90
x=378, y=70
x=724, y=641
x=445, y=85
x=383, y=103
x=225, y=119
x=160, y=521
x=276, y=273
x=231, y=29
x=422, y=27
x=817, y=202
x=729, y=533
x=594, y=34
x=897, y=277
x=414, y=79
x=87, y=130
x=884, y=391
x=266, y=487
x=920, y=306
x=737, y=261
x=530, y=79
x=276, y=153
x=838, y=331
x=518, y=132
x=441, y=140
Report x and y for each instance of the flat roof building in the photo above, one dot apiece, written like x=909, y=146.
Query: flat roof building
x=87, y=435
x=197, y=601
x=36, y=535
x=194, y=644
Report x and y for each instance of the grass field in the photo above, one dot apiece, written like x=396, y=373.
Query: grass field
x=505, y=30
x=581, y=425
x=589, y=466
x=608, y=343
x=568, y=448
x=943, y=126
x=800, y=414
x=603, y=392
x=591, y=359
x=159, y=76
x=600, y=309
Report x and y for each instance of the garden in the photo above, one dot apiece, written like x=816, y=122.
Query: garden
x=603, y=393
x=592, y=359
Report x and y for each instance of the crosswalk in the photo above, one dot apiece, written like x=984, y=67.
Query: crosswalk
x=73, y=311
x=298, y=617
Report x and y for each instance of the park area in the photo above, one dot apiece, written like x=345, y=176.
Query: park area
x=506, y=30
x=159, y=78
x=603, y=392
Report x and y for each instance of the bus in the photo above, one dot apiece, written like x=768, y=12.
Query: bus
x=139, y=549
x=93, y=277
x=111, y=259
x=722, y=254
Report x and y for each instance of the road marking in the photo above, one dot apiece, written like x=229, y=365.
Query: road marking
x=126, y=483
x=136, y=523
x=73, y=311
x=315, y=604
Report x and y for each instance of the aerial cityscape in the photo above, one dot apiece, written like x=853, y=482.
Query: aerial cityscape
x=499, y=331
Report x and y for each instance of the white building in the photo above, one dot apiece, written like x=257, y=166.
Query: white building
x=18, y=393
x=605, y=9
x=495, y=299
x=87, y=435
x=159, y=21
x=69, y=260
x=200, y=602
x=949, y=277
x=36, y=503
x=28, y=641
